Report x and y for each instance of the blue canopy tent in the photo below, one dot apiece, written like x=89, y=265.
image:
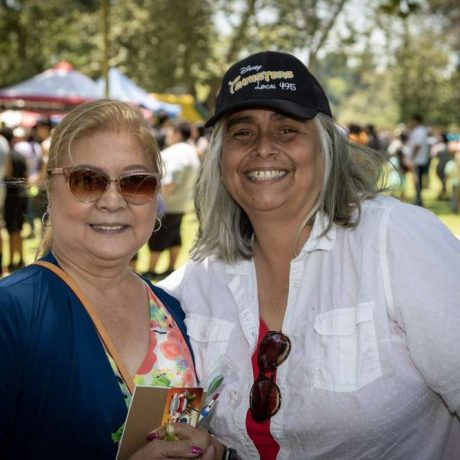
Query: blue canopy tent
x=124, y=89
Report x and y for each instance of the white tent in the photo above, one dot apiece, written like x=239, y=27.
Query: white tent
x=124, y=89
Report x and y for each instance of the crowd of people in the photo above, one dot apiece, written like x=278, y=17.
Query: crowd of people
x=327, y=309
x=23, y=156
x=411, y=150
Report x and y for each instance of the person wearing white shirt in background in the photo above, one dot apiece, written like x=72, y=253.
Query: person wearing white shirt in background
x=331, y=310
x=181, y=167
x=418, y=154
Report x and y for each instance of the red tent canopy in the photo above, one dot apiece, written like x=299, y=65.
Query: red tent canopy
x=58, y=89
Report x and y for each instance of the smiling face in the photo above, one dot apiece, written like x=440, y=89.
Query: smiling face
x=271, y=164
x=109, y=230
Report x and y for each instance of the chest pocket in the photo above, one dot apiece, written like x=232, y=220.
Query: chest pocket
x=209, y=338
x=346, y=352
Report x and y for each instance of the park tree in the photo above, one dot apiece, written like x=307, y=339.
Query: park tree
x=299, y=26
x=34, y=34
x=162, y=44
x=185, y=47
x=423, y=61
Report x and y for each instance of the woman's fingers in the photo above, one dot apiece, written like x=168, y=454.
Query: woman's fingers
x=210, y=454
x=182, y=431
x=189, y=442
x=159, y=450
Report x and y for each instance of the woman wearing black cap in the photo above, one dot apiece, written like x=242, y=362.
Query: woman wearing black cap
x=331, y=311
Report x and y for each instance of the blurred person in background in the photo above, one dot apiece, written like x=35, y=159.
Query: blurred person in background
x=398, y=169
x=4, y=158
x=357, y=135
x=200, y=139
x=373, y=138
x=181, y=165
x=16, y=199
x=160, y=128
x=418, y=154
x=452, y=173
x=26, y=144
x=43, y=130
x=443, y=155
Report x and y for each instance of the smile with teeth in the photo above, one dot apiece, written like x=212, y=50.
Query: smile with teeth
x=266, y=175
x=108, y=227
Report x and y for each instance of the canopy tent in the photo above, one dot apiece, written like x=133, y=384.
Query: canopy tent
x=192, y=110
x=124, y=89
x=58, y=89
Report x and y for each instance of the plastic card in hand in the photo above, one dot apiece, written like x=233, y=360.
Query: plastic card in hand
x=154, y=406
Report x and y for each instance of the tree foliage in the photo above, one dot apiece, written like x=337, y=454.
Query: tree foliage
x=184, y=47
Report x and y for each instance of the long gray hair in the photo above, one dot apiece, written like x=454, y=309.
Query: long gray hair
x=351, y=174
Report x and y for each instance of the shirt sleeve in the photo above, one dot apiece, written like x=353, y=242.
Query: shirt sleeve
x=423, y=260
x=173, y=283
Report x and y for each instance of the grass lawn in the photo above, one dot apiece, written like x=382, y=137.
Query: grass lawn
x=430, y=201
x=190, y=226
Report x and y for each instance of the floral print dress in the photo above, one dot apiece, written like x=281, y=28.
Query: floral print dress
x=168, y=362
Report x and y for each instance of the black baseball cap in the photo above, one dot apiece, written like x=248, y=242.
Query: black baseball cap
x=273, y=80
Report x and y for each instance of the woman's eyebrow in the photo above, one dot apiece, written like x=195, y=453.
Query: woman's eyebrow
x=278, y=116
x=135, y=167
x=128, y=168
x=232, y=121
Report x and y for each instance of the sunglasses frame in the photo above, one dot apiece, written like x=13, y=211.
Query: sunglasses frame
x=66, y=172
x=284, y=353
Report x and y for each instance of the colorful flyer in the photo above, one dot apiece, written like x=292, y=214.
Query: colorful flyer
x=182, y=406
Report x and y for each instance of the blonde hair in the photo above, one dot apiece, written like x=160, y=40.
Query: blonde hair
x=351, y=174
x=103, y=115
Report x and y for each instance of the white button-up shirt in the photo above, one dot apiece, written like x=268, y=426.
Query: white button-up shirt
x=373, y=316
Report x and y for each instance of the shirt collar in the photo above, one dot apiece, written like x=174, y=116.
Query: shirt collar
x=241, y=267
x=316, y=242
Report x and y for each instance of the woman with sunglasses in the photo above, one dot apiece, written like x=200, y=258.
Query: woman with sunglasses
x=332, y=311
x=80, y=329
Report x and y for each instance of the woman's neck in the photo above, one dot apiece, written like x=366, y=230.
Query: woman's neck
x=93, y=273
x=272, y=241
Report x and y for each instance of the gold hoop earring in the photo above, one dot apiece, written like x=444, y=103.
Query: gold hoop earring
x=157, y=225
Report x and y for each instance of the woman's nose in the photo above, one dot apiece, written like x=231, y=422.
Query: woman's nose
x=266, y=145
x=111, y=198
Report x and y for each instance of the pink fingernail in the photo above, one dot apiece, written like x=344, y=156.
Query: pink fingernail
x=151, y=436
x=197, y=450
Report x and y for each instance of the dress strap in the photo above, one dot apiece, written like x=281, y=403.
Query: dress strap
x=110, y=348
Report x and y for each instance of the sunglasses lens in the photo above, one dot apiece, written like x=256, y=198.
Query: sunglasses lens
x=138, y=188
x=273, y=351
x=265, y=399
x=86, y=185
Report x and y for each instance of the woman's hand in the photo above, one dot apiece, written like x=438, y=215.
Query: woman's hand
x=192, y=443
